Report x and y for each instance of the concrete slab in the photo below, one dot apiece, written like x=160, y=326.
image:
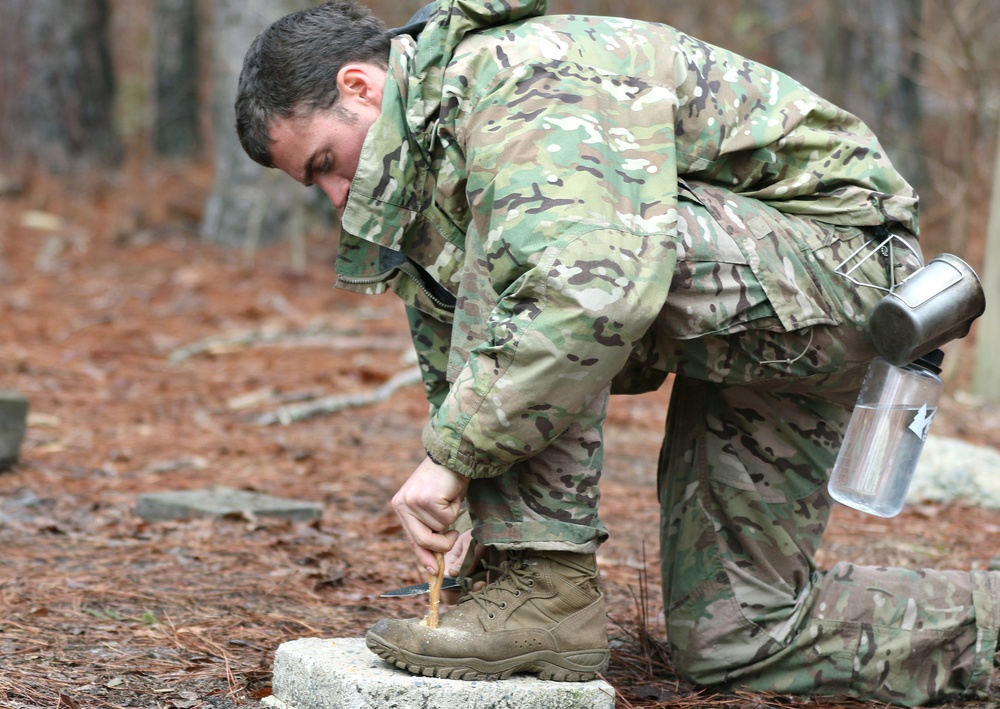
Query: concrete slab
x=341, y=673
x=13, y=421
x=221, y=501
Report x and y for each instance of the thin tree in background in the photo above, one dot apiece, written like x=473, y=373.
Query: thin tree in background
x=56, y=86
x=249, y=204
x=872, y=68
x=987, y=372
x=176, y=129
x=959, y=40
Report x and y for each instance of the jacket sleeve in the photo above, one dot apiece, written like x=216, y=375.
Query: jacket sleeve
x=431, y=339
x=568, y=260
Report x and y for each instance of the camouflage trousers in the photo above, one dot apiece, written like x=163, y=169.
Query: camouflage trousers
x=743, y=507
x=756, y=420
x=550, y=501
x=759, y=406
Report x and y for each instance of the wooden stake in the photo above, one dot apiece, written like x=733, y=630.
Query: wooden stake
x=435, y=587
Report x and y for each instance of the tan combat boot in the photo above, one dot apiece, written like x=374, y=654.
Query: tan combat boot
x=544, y=615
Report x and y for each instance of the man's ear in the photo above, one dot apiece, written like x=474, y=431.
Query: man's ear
x=362, y=83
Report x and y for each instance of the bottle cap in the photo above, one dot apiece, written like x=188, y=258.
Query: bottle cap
x=931, y=361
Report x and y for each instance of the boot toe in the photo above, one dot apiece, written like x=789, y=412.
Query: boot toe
x=393, y=631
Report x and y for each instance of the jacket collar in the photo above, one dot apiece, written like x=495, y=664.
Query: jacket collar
x=416, y=25
x=390, y=203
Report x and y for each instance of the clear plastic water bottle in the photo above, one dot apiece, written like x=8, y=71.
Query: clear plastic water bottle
x=886, y=434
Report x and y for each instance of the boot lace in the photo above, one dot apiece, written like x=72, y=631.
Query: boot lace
x=516, y=577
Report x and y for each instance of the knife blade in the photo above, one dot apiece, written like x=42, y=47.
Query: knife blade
x=420, y=588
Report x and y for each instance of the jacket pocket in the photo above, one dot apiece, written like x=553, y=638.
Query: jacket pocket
x=781, y=251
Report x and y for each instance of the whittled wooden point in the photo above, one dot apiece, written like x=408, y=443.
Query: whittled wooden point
x=435, y=587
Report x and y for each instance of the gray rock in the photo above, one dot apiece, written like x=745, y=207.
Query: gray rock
x=951, y=470
x=221, y=501
x=316, y=673
x=13, y=422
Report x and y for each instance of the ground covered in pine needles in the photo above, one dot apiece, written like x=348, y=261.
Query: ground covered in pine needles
x=151, y=362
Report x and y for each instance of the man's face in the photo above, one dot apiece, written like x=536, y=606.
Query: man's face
x=324, y=147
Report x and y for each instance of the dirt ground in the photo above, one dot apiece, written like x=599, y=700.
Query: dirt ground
x=148, y=357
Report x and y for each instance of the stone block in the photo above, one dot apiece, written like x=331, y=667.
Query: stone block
x=951, y=470
x=219, y=502
x=316, y=673
x=13, y=422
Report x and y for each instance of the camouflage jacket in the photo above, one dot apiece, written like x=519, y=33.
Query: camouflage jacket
x=520, y=189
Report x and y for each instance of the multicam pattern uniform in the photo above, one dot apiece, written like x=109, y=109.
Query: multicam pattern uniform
x=577, y=206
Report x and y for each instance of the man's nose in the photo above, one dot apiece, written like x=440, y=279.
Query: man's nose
x=336, y=189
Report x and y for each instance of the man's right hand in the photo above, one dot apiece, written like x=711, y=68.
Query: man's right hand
x=427, y=504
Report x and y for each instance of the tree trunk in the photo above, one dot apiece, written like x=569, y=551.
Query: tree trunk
x=788, y=31
x=987, y=371
x=249, y=203
x=175, y=35
x=56, y=86
x=872, y=68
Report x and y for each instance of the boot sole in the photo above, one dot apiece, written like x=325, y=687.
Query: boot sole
x=574, y=666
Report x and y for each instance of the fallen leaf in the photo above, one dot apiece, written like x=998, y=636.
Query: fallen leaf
x=38, y=420
x=251, y=399
x=46, y=221
x=67, y=701
x=333, y=580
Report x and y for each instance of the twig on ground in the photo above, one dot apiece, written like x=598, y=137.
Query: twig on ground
x=332, y=404
x=313, y=335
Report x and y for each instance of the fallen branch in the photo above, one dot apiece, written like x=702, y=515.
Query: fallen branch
x=331, y=404
x=311, y=336
x=230, y=342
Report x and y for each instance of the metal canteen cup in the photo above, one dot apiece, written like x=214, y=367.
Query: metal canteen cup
x=935, y=305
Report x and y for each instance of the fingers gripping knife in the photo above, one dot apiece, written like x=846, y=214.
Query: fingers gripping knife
x=445, y=583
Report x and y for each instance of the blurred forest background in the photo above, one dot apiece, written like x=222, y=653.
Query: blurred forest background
x=160, y=295
x=112, y=94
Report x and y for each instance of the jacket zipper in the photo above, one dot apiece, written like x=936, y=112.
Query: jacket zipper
x=406, y=269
